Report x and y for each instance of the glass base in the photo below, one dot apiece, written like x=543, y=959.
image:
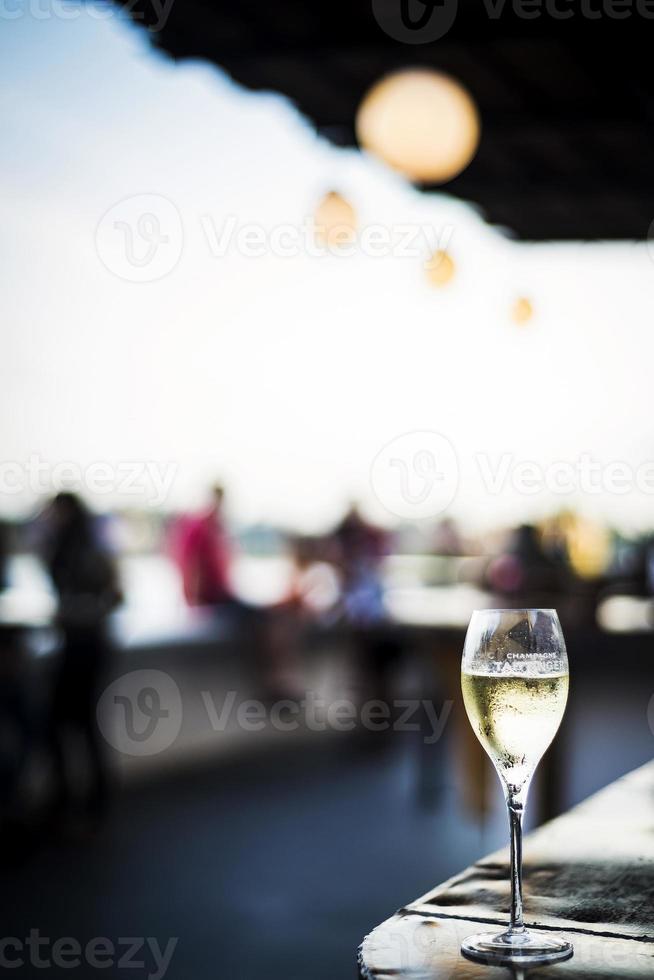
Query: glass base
x=525, y=948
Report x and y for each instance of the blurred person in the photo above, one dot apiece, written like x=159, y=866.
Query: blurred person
x=86, y=585
x=524, y=567
x=17, y=727
x=201, y=548
x=360, y=549
x=447, y=538
x=202, y=551
x=19, y=715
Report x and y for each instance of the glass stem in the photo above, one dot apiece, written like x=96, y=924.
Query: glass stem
x=515, y=805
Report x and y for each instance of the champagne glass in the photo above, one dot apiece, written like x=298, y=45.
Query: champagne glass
x=514, y=677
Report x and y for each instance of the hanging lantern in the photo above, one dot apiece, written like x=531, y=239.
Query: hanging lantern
x=440, y=268
x=420, y=122
x=335, y=221
x=522, y=311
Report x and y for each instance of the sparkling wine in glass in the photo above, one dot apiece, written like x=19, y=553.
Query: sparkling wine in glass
x=514, y=678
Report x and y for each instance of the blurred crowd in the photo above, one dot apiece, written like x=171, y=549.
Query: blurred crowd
x=338, y=581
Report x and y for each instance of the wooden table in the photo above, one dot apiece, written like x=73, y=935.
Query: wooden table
x=589, y=875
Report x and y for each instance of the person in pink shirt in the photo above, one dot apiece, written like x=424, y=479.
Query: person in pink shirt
x=203, y=554
x=201, y=548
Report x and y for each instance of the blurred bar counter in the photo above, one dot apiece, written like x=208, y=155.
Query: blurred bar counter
x=588, y=874
x=607, y=728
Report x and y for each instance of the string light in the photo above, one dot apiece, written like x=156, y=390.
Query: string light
x=335, y=220
x=440, y=268
x=522, y=311
x=420, y=122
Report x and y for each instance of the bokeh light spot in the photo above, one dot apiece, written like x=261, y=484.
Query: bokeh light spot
x=420, y=122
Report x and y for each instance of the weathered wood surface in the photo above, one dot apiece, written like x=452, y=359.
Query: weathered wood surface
x=589, y=874
x=412, y=947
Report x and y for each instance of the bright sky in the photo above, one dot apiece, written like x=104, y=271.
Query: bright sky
x=286, y=375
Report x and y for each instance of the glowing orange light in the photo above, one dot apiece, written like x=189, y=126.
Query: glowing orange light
x=420, y=122
x=335, y=220
x=522, y=311
x=440, y=268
